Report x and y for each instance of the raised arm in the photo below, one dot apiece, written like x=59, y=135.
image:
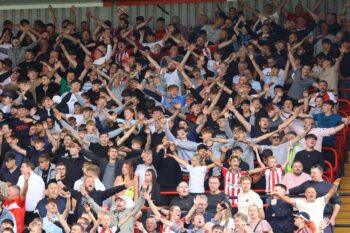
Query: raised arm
x=284, y=198
x=249, y=8
x=24, y=190
x=316, y=5
x=214, y=102
x=62, y=220
x=18, y=149
x=226, y=43
x=151, y=60
x=113, y=96
x=68, y=56
x=299, y=137
x=256, y=151
x=341, y=126
x=126, y=135
x=333, y=190
x=153, y=207
x=291, y=58
x=83, y=47
x=178, y=159
x=241, y=119
x=256, y=67
x=236, y=26
x=289, y=120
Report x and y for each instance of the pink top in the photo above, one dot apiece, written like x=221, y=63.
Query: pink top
x=290, y=180
x=263, y=226
x=319, y=132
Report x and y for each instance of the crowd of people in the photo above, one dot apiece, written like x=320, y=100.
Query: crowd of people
x=211, y=128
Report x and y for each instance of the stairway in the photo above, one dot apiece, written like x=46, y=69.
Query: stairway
x=344, y=214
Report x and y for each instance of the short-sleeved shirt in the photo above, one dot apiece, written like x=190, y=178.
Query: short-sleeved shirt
x=232, y=185
x=197, y=175
x=314, y=209
x=247, y=199
x=299, y=85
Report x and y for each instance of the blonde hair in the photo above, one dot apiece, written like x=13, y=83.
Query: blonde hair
x=199, y=158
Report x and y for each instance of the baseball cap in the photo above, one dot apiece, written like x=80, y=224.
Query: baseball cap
x=303, y=215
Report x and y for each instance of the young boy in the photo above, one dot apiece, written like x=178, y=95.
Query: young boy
x=274, y=171
x=46, y=170
x=232, y=175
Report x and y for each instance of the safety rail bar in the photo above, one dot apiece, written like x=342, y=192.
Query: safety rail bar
x=341, y=194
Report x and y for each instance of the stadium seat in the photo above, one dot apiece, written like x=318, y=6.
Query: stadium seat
x=335, y=158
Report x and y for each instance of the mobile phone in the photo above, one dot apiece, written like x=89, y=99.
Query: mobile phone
x=223, y=205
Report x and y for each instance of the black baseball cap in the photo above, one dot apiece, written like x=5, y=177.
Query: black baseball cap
x=303, y=215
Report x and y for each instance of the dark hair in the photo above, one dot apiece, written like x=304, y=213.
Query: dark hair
x=28, y=163
x=8, y=229
x=317, y=166
x=10, y=156
x=154, y=176
x=161, y=19
x=61, y=163
x=180, y=128
x=237, y=148
x=282, y=186
x=8, y=221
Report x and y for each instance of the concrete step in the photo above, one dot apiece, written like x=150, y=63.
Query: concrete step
x=342, y=221
x=345, y=186
x=344, y=215
x=345, y=207
x=345, y=201
x=341, y=230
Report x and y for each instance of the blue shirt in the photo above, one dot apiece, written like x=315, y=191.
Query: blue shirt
x=178, y=99
x=50, y=226
x=327, y=121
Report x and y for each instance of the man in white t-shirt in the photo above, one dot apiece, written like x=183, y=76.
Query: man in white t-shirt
x=36, y=188
x=312, y=205
x=248, y=197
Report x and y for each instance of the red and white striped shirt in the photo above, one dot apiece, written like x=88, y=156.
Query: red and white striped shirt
x=232, y=184
x=121, y=57
x=207, y=51
x=273, y=177
x=303, y=230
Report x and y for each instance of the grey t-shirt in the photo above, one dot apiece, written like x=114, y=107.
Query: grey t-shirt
x=280, y=152
x=299, y=85
x=109, y=175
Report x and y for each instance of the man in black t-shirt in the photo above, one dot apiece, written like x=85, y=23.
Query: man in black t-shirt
x=215, y=196
x=310, y=157
x=184, y=200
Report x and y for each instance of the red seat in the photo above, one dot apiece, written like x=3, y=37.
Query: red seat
x=344, y=105
x=335, y=156
x=329, y=172
x=343, y=90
